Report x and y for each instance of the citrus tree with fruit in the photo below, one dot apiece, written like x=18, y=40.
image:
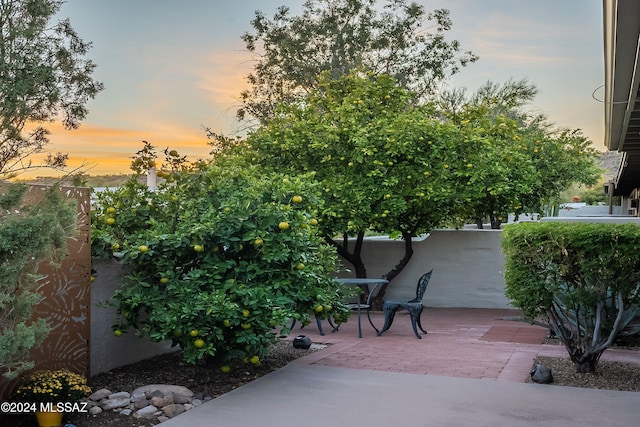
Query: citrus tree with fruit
x=525, y=162
x=384, y=164
x=220, y=259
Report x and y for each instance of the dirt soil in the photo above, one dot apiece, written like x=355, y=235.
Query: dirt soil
x=209, y=381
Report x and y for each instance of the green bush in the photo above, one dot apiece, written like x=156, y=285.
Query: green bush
x=29, y=233
x=219, y=258
x=583, y=278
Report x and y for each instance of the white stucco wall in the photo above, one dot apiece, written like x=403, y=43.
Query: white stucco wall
x=467, y=268
x=107, y=350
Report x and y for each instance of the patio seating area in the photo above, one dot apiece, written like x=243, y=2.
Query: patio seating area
x=462, y=342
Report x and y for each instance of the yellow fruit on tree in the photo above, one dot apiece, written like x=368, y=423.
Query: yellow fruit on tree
x=194, y=333
x=300, y=266
x=245, y=313
x=245, y=325
x=164, y=280
x=198, y=248
x=283, y=225
x=111, y=210
x=296, y=199
x=318, y=308
x=258, y=242
x=254, y=359
x=143, y=248
x=110, y=221
x=313, y=221
x=198, y=343
x=115, y=246
x=226, y=323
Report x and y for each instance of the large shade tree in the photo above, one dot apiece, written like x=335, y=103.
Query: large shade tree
x=385, y=164
x=525, y=162
x=400, y=38
x=44, y=75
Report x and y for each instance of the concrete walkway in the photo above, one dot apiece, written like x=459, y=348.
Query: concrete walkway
x=468, y=371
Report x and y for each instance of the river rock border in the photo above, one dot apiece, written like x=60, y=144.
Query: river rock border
x=161, y=401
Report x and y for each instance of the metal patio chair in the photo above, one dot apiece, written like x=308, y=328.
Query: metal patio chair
x=414, y=307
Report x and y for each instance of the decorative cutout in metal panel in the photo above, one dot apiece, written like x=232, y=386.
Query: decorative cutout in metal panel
x=66, y=298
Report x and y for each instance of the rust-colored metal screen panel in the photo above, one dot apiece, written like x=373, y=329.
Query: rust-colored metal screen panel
x=66, y=297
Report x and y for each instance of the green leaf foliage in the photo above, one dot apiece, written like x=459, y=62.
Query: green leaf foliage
x=394, y=37
x=383, y=164
x=29, y=234
x=584, y=278
x=43, y=76
x=219, y=258
x=524, y=163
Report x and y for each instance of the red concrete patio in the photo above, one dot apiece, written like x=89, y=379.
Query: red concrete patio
x=468, y=371
x=461, y=342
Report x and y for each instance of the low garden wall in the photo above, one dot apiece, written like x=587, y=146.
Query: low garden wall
x=107, y=350
x=467, y=268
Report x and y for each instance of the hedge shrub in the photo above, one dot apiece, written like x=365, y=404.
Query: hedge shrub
x=583, y=278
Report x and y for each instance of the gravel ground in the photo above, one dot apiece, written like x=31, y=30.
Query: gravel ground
x=609, y=376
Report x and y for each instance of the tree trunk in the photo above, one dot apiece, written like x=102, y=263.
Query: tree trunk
x=586, y=364
x=378, y=300
x=354, y=258
x=495, y=222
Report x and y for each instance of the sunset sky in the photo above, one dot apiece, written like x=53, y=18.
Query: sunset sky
x=172, y=67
